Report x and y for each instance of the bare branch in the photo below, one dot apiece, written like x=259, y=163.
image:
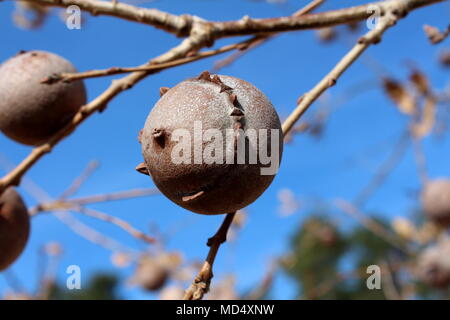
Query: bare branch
x=178, y=25
x=373, y=36
x=185, y=25
x=116, y=221
x=121, y=195
x=202, y=281
x=154, y=67
x=78, y=182
x=259, y=40
x=384, y=170
x=247, y=25
x=434, y=35
x=89, y=233
x=67, y=204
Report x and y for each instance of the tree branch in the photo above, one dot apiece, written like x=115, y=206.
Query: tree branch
x=67, y=204
x=184, y=25
x=78, y=182
x=397, y=10
x=242, y=46
x=116, y=221
x=247, y=26
x=178, y=25
x=89, y=233
x=259, y=40
x=202, y=281
x=384, y=170
x=153, y=67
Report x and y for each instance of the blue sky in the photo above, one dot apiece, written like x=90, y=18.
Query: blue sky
x=283, y=69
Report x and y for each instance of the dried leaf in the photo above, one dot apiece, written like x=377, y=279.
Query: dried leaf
x=444, y=58
x=420, y=81
x=400, y=96
x=434, y=35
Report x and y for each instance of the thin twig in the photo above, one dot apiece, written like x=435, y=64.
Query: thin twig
x=121, y=195
x=67, y=204
x=155, y=67
x=76, y=205
x=78, y=182
x=178, y=25
x=202, y=281
x=385, y=169
x=434, y=35
x=89, y=233
x=259, y=40
x=60, y=212
x=371, y=37
x=116, y=221
x=370, y=224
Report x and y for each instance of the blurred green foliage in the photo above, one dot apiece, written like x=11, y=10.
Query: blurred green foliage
x=318, y=251
x=101, y=286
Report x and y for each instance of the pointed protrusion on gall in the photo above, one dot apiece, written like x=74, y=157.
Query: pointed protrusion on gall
x=223, y=86
x=142, y=168
x=163, y=90
x=205, y=75
x=236, y=112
